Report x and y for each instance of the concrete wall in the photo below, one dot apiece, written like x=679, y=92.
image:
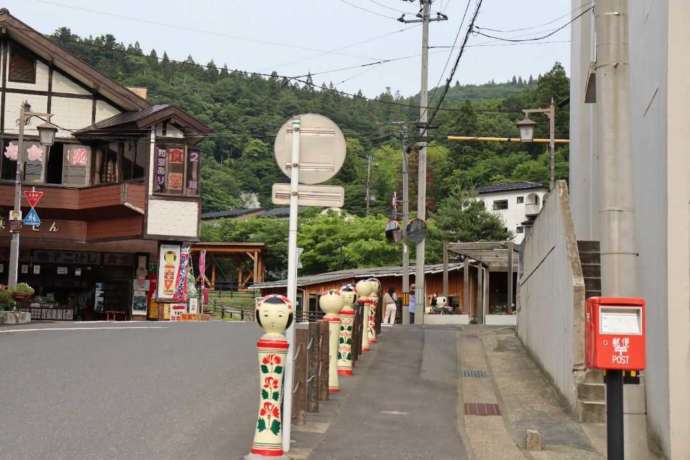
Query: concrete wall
x=552, y=293
x=660, y=96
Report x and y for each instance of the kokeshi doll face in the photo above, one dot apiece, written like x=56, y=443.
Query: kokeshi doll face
x=363, y=288
x=441, y=301
x=375, y=286
x=331, y=302
x=274, y=314
x=347, y=292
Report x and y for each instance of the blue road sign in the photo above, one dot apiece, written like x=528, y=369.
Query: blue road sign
x=32, y=219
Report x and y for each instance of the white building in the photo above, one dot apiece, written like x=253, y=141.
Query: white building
x=659, y=65
x=513, y=203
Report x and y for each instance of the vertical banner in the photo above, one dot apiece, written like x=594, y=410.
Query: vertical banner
x=193, y=157
x=161, y=169
x=181, y=281
x=168, y=266
x=140, y=286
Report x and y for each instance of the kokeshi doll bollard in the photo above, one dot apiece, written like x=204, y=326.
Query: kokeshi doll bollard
x=375, y=286
x=347, y=319
x=331, y=303
x=274, y=314
x=363, y=288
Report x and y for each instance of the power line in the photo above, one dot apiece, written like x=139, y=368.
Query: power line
x=521, y=29
x=366, y=10
x=457, y=62
x=390, y=8
x=532, y=39
x=360, y=42
x=450, y=54
x=499, y=45
x=179, y=27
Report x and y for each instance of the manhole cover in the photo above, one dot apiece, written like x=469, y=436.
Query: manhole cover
x=474, y=373
x=482, y=409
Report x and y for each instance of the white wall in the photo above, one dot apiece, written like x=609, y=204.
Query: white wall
x=514, y=216
x=552, y=295
x=660, y=97
x=172, y=217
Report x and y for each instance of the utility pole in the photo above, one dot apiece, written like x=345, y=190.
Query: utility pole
x=626, y=416
x=424, y=16
x=405, y=219
x=367, y=196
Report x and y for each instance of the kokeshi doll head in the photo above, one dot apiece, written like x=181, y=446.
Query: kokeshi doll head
x=375, y=286
x=274, y=314
x=331, y=302
x=363, y=288
x=441, y=301
x=347, y=292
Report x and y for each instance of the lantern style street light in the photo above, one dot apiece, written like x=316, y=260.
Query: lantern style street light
x=526, y=127
x=46, y=134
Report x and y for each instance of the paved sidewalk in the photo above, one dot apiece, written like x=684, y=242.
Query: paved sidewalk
x=404, y=402
x=527, y=401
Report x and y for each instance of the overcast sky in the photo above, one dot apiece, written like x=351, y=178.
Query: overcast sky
x=295, y=37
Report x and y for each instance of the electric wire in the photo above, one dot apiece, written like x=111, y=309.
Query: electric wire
x=192, y=29
x=470, y=28
x=532, y=39
x=390, y=8
x=367, y=10
x=522, y=29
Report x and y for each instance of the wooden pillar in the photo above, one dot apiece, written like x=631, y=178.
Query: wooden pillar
x=466, y=309
x=445, y=269
x=213, y=276
x=487, y=291
x=510, y=278
x=480, y=294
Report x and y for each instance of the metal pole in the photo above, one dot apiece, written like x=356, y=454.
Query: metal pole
x=552, y=145
x=405, y=219
x=614, y=415
x=14, y=243
x=420, y=282
x=510, y=278
x=445, y=269
x=292, y=281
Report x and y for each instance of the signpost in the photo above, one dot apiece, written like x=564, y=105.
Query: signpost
x=309, y=149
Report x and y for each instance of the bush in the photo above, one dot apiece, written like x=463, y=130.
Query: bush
x=24, y=289
x=6, y=298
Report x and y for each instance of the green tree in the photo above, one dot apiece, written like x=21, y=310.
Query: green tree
x=462, y=217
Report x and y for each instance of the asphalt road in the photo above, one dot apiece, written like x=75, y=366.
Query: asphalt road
x=133, y=391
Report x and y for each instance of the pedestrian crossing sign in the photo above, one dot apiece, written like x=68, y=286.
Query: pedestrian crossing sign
x=32, y=219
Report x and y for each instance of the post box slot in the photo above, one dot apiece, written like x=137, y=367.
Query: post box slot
x=615, y=320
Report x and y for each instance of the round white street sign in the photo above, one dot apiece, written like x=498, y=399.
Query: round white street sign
x=322, y=148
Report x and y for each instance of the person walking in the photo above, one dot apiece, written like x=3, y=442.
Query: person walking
x=413, y=304
x=389, y=307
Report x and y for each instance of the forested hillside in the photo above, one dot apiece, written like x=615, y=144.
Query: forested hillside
x=245, y=111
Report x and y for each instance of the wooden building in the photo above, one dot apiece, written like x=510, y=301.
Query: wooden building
x=121, y=179
x=311, y=287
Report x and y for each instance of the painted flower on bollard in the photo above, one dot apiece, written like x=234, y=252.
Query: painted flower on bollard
x=274, y=315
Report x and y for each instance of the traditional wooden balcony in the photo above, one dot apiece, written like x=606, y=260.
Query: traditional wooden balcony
x=90, y=203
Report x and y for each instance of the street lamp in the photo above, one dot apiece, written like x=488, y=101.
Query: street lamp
x=526, y=127
x=46, y=134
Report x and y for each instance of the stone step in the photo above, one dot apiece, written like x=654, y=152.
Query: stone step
x=591, y=392
x=594, y=376
x=591, y=411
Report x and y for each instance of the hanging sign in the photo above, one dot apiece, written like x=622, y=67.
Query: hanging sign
x=32, y=218
x=169, y=262
x=33, y=197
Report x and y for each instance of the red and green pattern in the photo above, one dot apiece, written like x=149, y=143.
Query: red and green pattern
x=267, y=437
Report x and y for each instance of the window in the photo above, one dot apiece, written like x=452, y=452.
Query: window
x=500, y=204
x=22, y=65
x=520, y=229
x=520, y=199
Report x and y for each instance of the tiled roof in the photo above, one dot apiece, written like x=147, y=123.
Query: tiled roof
x=355, y=273
x=509, y=187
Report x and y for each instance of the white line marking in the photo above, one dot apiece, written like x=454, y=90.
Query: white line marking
x=47, y=329
x=393, y=412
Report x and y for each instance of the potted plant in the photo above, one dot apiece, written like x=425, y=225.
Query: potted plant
x=23, y=292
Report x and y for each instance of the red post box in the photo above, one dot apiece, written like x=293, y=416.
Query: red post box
x=615, y=333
